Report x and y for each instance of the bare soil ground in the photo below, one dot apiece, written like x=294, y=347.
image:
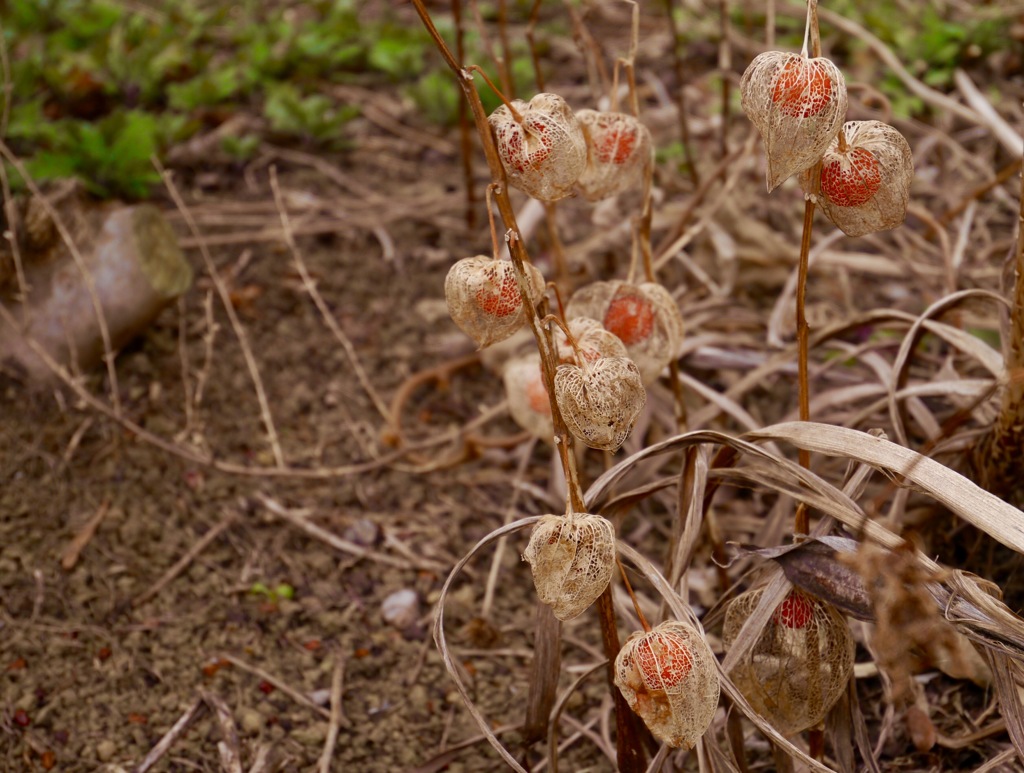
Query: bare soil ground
x=172, y=594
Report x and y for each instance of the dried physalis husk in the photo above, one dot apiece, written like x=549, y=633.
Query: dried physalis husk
x=797, y=104
x=799, y=666
x=592, y=339
x=865, y=187
x=484, y=299
x=618, y=146
x=601, y=400
x=528, y=397
x=644, y=317
x=572, y=557
x=546, y=153
x=668, y=677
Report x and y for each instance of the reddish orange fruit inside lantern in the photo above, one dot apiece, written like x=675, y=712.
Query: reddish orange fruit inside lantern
x=663, y=660
x=500, y=297
x=630, y=317
x=801, y=89
x=518, y=157
x=795, y=611
x=852, y=181
x=615, y=144
x=537, y=395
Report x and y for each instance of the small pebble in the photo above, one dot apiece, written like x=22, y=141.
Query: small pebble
x=363, y=532
x=310, y=735
x=401, y=608
x=106, y=750
x=251, y=721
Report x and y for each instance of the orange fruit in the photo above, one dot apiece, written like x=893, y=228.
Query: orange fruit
x=537, y=395
x=630, y=317
x=801, y=88
x=795, y=611
x=615, y=144
x=851, y=180
x=500, y=297
x=663, y=660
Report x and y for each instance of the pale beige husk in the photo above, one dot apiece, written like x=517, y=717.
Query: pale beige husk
x=572, y=558
x=792, y=143
x=654, y=352
x=603, y=178
x=469, y=277
x=600, y=401
x=888, y=207
x=792, y=676
x=593, y=340
x=523, y=376
x=678, y=713
x=545, y=155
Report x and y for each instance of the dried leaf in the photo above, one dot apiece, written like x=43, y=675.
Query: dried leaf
x=797, y=104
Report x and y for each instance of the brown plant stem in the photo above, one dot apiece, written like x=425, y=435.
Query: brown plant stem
x=801, y=524
x=724, y=67
x=680, y=71
x=472, y=68
x=503, y=63
x=629, y=750
x=465, y=138
x=632, y=596
x=531, y=27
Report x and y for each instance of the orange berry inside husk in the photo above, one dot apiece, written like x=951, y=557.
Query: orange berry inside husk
x=801, y=89
x=500, y=297
x=537, y=395
x=663, y=660
x=615, y=144
x=630, y=317
x=795, y=611
x=853, y=180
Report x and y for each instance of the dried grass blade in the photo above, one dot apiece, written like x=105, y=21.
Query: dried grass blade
x=978, y=507
x=1003, y=672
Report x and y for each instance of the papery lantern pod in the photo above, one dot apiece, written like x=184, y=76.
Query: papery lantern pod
x=572, y=558
x=668, y=677
x=591, y=338
x=800, y=665
x=618, y=146
x=797, y=104
x=600, y=401
x=644, y=317
x=865, y=180
x=484, y=300
x=546, y=153
x=528, y=396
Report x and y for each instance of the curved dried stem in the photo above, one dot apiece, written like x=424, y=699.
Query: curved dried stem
x=516, y=115
x=636, y=604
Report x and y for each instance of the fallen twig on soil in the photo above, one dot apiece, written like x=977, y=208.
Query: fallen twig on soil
x=338, y=717
x=170, y=737
x=279, y=683
x=228, y=746
x=69, y=556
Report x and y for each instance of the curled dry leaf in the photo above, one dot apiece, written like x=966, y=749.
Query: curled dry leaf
x=618, y=146
x=644, y=317
x=527, y=396
x=600, y=401
x=799, y=666
x=865, y=186
x=546, y=153
x=797, y=104
x=484, y=300
x=572, y=557
x=668, y=677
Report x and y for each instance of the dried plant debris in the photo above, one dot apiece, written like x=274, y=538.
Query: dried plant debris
x=528, y=401
x=544, y=154
x=668, y=677
x=600, y=401
x=799, y=665
x=864, y=185
x=618, y=148
x=797, y=104
x=572, y=557
x=644, y=317
x=484, y=299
